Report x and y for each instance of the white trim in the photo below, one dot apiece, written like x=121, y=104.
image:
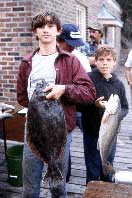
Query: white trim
x=111, y=22
x=11, y=142
x=113, y=35
x=81, y=20
x=115, y=5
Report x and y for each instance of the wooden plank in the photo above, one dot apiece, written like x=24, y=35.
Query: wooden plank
x=76, y=189
x=77, y=180
x=123, y=160
x=77, y=148
x=77, y=154
x=123, y=150
x=79, y=173
x=4, y=186
x=78, y=166
x=78, y=160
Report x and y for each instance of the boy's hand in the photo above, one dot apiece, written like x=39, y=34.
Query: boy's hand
x=100, y=103
x=56, y=91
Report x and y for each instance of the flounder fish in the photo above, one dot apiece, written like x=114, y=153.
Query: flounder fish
x=46, y=131
x=108, y=131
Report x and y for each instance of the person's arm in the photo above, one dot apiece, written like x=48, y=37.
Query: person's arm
x=127, y=75
x=22, y=95
x=128, y=66
x=124, y=102
x=80, y=88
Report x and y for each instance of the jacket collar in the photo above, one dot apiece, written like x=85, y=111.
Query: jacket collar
x=112, y=79
x=61, y=52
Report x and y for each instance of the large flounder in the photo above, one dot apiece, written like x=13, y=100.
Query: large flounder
x=46, y=131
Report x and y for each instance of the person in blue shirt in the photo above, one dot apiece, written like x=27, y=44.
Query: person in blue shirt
x=90, y=47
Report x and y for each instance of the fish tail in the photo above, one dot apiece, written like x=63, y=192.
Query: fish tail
x=53, y=176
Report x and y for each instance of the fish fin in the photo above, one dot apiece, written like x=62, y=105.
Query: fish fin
x=108, y=169
x=54, y=177
x=105, y=117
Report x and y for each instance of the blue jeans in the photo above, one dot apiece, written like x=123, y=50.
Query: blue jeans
x=32, y=171
x=79, y=120
x=93, y=160
x=92, y=157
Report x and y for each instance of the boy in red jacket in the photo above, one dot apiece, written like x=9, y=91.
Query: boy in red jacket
x=68, y=82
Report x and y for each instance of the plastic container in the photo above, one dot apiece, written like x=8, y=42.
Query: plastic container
x=14, y=164
x=124, y=177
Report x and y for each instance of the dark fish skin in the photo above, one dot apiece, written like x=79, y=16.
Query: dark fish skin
x=46, y=131
x=108, y=133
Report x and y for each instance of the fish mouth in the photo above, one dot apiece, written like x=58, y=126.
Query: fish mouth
x=108, y=168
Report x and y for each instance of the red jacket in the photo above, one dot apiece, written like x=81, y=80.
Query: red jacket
x=69, y=72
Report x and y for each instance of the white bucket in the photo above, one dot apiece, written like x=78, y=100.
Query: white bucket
x=124, y=177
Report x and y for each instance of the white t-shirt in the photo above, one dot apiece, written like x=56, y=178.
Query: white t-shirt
x=83, y=60
x=42, y=68
x=128, y=62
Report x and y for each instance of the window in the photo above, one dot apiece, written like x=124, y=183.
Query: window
x=110, y=35
x=81, y=20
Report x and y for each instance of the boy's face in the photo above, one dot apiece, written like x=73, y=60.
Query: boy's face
x=105, y=64
x=47, y=33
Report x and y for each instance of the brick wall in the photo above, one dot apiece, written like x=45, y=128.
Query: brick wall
x=15, y=41
x=64, y=9
x=93, y=8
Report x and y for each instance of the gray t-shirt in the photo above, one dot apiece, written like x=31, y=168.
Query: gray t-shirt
x=42, y=68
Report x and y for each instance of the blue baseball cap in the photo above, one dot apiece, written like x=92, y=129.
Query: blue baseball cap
x=71, y=35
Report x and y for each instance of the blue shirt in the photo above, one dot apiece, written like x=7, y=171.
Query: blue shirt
x=89, y=48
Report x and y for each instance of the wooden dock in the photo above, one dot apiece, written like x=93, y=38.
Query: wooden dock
x=76, y=185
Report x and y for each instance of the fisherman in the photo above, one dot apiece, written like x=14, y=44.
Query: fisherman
x=90, y=47
x=68, y=82
x=106, y=83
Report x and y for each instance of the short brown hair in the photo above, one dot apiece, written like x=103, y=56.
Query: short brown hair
x=104, y=50
x=45, y=18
